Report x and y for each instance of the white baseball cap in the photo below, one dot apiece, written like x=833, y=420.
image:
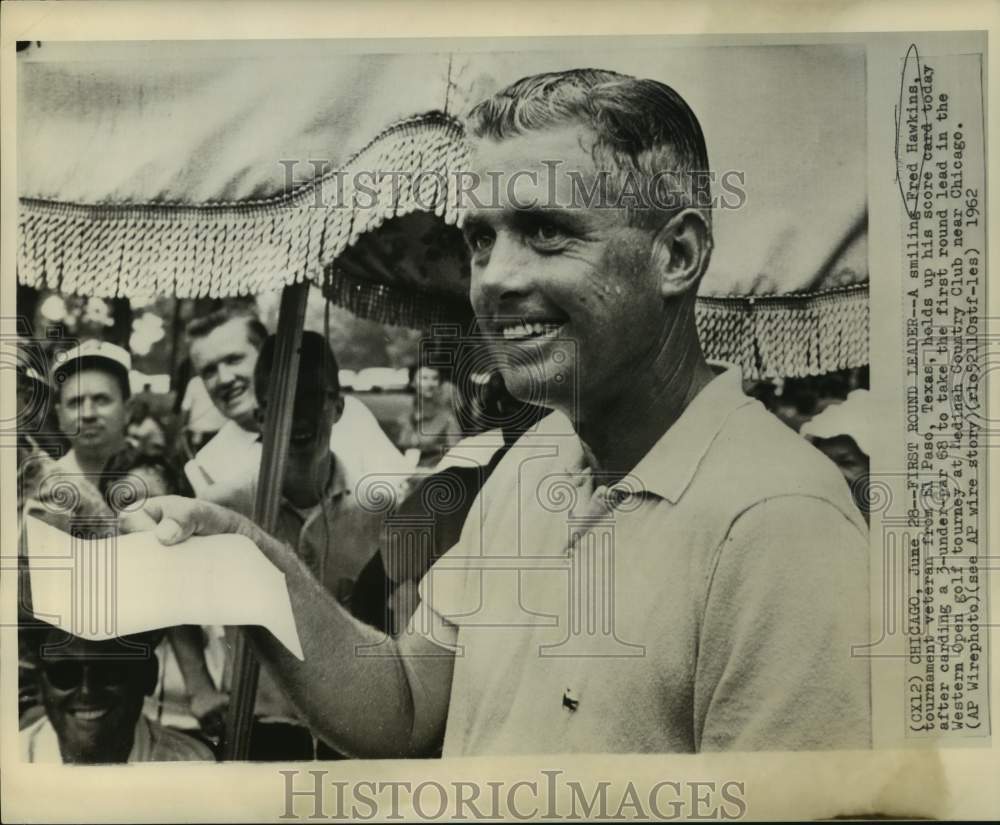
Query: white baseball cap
x=93, y=350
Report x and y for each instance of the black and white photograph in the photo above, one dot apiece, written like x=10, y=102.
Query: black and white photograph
x=545, y=398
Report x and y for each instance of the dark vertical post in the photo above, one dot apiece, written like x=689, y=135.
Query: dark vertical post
x=277, y=431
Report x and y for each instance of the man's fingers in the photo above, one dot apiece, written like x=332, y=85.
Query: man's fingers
x=170, y=531
x=174, y=519
x=136, y=521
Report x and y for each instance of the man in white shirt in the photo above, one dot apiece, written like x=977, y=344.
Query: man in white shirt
x=661, y=565
x=224, y=347
x=91, y=383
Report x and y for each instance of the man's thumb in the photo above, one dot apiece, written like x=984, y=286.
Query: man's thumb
x=169, y=531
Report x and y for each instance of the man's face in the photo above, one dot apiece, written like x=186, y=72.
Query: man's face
x=307, y=460
x=92, y=411
x=427, y=382
x=566, y=293
x=148, y=437
x=93, y=697
x=225, y=359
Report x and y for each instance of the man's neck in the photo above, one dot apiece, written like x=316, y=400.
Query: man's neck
x=248, y=423
x=311, y=493
x=619, y=431
x=92, y=462
x=115, y=753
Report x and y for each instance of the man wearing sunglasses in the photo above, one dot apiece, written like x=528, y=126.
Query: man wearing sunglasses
x=319, y=517
x=93, y=694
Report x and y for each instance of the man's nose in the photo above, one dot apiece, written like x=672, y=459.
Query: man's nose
x=500, y=281
x=226, y=374
x=88, y=681
x=88, y=409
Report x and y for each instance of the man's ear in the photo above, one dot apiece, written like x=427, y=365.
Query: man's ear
x=681, y=250
x=338, y=408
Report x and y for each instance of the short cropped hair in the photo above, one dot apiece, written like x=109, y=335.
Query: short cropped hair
x=646, y=134
x=317, y=366
x=200, y=327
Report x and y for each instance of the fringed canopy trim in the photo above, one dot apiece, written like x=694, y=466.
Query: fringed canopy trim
x=231, y=249
x=791, y=335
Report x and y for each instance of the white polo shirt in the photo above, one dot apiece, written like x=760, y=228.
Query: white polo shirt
x=710, y=601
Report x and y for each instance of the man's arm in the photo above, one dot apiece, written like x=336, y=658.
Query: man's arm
x=787, y=601
x=393, y=704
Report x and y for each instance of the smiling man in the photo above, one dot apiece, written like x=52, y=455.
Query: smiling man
x=722, y=554
x=223, y=348
x=93, y=692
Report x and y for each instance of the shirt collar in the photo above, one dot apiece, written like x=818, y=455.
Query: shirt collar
x=667, y=469
x=142, y=743
x=338, y=482
x=336, y=486
x=669, y=466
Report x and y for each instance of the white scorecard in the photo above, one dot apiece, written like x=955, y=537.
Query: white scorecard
x=101, y=588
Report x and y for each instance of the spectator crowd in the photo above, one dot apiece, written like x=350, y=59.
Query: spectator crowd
x=163, y=695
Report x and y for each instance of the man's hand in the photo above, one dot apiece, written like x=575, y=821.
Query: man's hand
x=209, y=708
x=175, y=518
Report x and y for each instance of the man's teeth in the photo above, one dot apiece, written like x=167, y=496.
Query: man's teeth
x=517, y=331
x=90, y=715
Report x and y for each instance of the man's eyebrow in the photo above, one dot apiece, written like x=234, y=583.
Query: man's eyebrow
x=473, y=221
x=564, y=217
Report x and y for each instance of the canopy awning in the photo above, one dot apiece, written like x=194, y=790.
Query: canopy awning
x=217, y=169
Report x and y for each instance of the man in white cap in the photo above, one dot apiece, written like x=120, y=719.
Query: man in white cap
x=92, y=388
x=90, y=384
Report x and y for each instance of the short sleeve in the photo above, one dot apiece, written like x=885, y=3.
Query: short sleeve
x=445, y=587
x=787, y=601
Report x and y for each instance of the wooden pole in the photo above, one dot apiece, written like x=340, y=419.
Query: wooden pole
x=277, y=432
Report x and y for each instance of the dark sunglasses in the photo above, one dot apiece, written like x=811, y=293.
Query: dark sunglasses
x=68, y=674
x=304, y=430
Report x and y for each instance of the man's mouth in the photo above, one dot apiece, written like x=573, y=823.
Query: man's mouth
x=526, y=331
x=234, y=394
x=89, y=714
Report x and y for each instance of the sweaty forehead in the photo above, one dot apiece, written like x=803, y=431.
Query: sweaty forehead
x=223, y=341
x=538, y=166
x=90, y=382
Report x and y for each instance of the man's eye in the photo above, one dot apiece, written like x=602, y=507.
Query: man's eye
x=546, y=233
x=480, y=241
